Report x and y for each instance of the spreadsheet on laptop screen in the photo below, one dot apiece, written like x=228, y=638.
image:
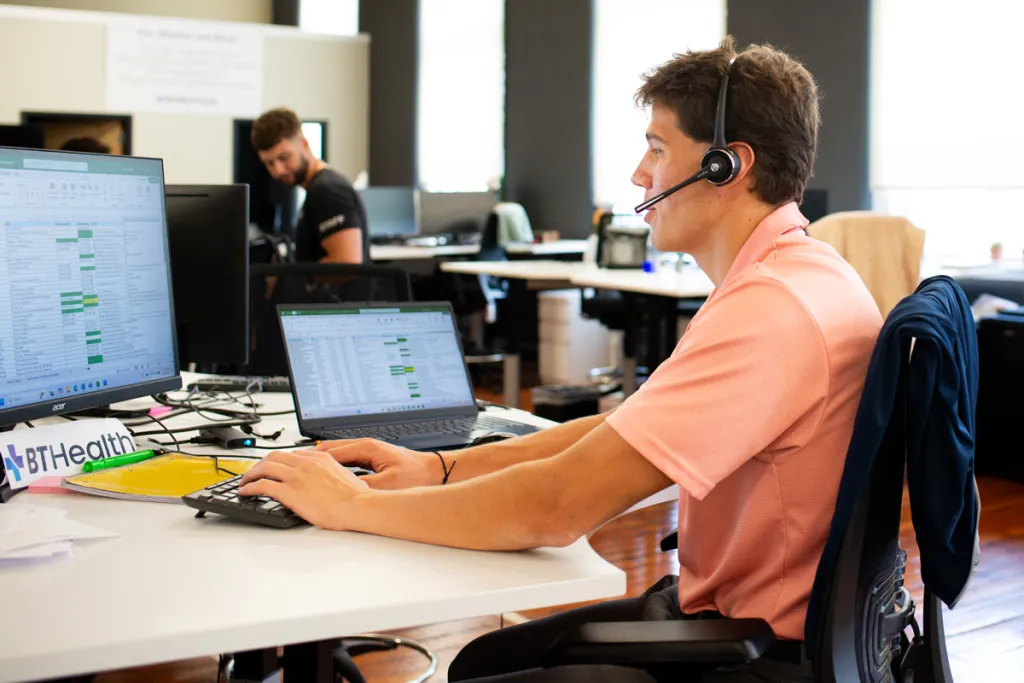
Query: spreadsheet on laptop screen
x=351, y=361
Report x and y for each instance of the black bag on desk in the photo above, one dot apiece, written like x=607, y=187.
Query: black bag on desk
x=1000, y=442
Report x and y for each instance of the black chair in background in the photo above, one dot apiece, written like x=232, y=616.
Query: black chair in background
x=272, y=284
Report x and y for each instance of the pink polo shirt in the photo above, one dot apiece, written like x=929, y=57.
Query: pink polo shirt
x=752, y=415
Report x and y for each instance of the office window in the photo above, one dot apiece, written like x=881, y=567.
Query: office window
x=314, y=132
x=461, y=99
x=335, y=17
x=632, y=37
x=945, y=133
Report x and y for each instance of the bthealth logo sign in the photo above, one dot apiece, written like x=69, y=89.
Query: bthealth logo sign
x=29, y=454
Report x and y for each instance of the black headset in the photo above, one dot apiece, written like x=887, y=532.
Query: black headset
x=719, y=165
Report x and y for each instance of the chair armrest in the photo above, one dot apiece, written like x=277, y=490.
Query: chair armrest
x=655, y=642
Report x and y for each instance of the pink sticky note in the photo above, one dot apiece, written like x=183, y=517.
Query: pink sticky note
x=48, y=485
x=160, y=411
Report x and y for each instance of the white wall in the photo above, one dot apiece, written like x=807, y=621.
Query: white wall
x=61, y=57
x=255, y=11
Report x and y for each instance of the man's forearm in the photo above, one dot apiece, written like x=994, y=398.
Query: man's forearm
x=475, y=462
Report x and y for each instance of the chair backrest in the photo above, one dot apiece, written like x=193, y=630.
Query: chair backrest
x=859, y=608
x=884, y=250
x=271, y=284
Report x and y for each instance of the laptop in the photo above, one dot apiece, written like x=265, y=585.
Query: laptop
x=393, y=372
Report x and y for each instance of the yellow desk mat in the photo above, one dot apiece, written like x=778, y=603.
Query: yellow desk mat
x=165, y=478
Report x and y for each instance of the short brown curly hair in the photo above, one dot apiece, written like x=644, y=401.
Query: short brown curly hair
x=772, y=106
x=274, y=126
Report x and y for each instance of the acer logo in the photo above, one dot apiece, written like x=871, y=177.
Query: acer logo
x=58, y=406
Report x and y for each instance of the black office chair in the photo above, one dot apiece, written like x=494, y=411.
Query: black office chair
x=309, y=283
x=860, y=605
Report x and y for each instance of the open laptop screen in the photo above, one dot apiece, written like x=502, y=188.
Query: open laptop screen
x=348, y=361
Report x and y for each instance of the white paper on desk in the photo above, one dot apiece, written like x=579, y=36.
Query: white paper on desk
x=34, y=526
x=31, y=454
x=37, y=553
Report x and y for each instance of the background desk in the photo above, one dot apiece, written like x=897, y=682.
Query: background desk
x=567, y=249
x=402, y=252
x=690, y=283
x=520, y=250
x=172, y=587
x=541, y=274
x=655, y=298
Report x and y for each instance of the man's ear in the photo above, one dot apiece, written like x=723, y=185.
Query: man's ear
x=747, y=158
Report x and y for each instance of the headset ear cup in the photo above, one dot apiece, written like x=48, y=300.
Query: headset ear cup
x=723, y=163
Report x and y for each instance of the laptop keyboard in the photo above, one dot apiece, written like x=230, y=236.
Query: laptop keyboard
x=396, y=432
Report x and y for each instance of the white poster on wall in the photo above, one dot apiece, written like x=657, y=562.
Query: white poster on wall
x=177, y=66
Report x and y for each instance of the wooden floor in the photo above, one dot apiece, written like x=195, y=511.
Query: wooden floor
x=984, y=634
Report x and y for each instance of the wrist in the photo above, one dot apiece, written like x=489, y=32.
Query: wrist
x=444, y=463
x=431, y=473
x=346, y=512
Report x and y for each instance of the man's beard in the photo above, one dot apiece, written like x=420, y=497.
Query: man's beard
x=299, y=177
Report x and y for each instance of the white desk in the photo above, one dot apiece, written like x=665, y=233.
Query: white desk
x=690, y=283
x=559, y=273
x=172, y=587
x=556, y=248
x=401, y=252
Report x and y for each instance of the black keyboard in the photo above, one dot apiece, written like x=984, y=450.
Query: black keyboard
x=240, y=383
x=223, y=499
x=395, y=432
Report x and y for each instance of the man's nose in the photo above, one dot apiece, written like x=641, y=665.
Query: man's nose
x=641, y=178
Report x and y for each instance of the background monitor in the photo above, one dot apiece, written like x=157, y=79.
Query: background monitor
x=815, y=205
x=273, y=207
x=208, y=232
x=442, y=212
x=27, y=136
x=391, y=210
x=86, y=316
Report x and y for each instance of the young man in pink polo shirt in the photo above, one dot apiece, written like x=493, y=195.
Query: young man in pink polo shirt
x=751, y=415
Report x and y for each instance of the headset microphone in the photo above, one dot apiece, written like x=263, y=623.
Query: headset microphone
x=719, y=164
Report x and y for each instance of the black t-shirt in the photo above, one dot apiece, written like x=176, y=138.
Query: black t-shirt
x=331, y=205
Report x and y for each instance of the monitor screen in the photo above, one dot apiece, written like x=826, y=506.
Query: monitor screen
x=391, y=210
x=348, y=361
x=85, y=290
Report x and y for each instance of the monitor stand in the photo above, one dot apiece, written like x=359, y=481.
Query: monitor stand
x=98, y=411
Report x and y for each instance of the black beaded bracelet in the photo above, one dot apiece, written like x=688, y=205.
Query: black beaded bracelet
x=444, y=468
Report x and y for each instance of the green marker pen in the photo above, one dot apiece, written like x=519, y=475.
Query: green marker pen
x=117, y=460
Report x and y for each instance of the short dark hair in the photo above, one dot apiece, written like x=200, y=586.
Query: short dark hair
x=274, y=126
x=85, y=145
x=772, y=105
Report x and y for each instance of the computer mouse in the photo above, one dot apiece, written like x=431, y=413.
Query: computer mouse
x=492, y=437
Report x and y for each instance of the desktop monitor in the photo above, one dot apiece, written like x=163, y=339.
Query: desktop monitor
x=391, y=211
x=208, y=229
x=28, y=136
x=443, y=212
x=86, y=314
x=273, y=206
x=814, y=205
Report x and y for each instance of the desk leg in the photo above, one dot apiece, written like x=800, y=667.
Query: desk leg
x=510, y=379
x=256, y=666
x=628, y=375
x=309, y=662
x=629, y=358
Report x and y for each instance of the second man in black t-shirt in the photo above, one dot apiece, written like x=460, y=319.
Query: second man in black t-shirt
x=332, y=224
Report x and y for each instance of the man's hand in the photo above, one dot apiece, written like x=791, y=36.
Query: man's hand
x=394, y=467
x=311, y=483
